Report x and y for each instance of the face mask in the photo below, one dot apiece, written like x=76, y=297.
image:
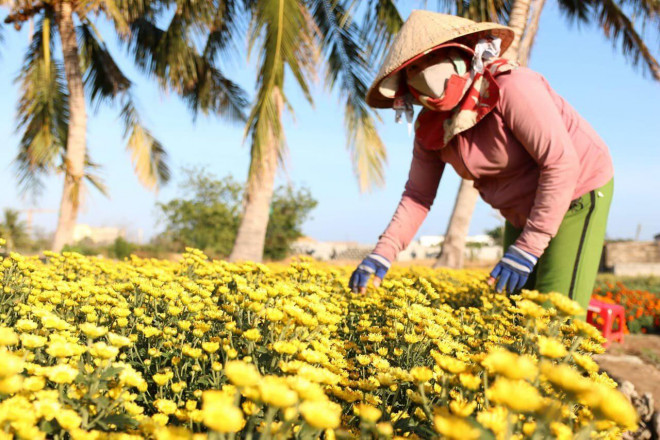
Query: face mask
x=432, y=80
x=440, y=86
x=453, y=93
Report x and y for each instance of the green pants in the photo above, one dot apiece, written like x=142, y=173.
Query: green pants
x=570, y=263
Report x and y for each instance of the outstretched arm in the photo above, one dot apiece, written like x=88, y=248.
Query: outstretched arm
x=423, y=179
x=420, y=190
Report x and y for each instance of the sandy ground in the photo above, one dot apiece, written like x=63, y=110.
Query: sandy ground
x=636, y=360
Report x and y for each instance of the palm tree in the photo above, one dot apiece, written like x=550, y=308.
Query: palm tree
x=617, y=24
x=299, y=35
x=13, y=230
x=52, y=110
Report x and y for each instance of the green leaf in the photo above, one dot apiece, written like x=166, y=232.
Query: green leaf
x=101, y=401
x=122, y=421
x=49, y=427
x=110, y=372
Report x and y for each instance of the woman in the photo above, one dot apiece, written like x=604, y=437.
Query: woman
x=529, y=153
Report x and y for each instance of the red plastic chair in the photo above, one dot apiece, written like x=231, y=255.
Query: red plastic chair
x=609, y=313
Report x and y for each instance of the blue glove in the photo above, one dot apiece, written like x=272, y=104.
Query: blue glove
x=372, y=264
x=513, y=269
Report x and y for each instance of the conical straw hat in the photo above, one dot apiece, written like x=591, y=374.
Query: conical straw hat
x=423, y=31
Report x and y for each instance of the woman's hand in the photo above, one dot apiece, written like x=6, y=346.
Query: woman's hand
x=372, y=264
x=513, y=269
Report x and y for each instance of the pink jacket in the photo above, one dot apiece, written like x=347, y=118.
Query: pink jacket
x=528, y=158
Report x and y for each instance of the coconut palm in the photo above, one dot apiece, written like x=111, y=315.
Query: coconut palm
x=52, y=110
x=619, y=20
x=13, y=230
x=302, y=37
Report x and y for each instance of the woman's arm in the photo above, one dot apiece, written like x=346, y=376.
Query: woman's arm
x=425, y=173
x=535, y=120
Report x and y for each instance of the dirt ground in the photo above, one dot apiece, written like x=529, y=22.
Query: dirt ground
x=636, y=360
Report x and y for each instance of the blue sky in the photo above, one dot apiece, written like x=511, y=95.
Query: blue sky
x=621, y=104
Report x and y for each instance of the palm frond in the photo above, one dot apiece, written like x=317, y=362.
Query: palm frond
x=368, y=152
x=110, y=8
x=42, y=111
x=197, y=14
x=166, y=54
x=619, y=27
x=223, y=28
x=577, y=11
x=648, y=8
x=92, y=176
x=213, y=92
x=489, y=10
x=347, y=70
x=477, y=10
x=136, y=9
x=143, y=44
x=381, y=22
x=104, y=80
x=175, y=62
x=281, y=28
x=147, y=153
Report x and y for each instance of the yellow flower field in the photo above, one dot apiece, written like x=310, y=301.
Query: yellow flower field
x=92, y=349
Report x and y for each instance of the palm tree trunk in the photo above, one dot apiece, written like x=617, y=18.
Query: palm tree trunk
x=453, y=248
x=530, y=33
x=74, y=161
x=518, y=22
x=251, y=236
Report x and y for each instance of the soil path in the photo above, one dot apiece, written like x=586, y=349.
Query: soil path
x=636, y=360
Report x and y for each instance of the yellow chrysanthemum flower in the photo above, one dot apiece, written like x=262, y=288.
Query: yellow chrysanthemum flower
x=368, y=412
x=455, y=427
x=8, y=336
x=461, y=407
x=275, y=391
x=242, y=374
x=421, y=374
x=321, y=414
x=92, y=331
x=517, y=395
x=551, y=347
x=510, y=365
x=220, y=414
x=62, y=373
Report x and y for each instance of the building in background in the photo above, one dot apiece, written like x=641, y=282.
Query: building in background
x=479, y=248
x=632, y=258
x=97, y=235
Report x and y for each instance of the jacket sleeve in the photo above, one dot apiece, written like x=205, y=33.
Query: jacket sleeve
x=420, y=190
x=531, y=114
